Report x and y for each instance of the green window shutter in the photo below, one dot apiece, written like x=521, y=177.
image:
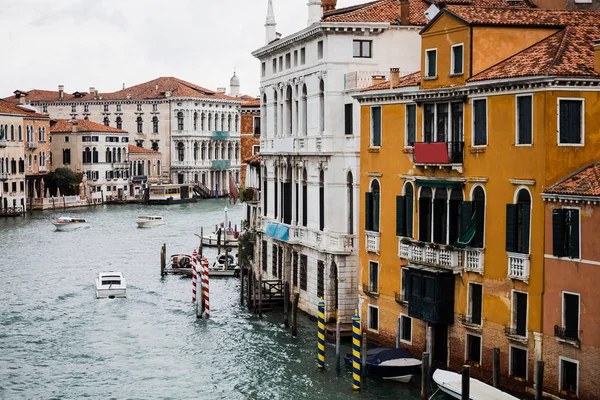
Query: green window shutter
x=575, y=122
x=376, y=205
x=573, y=233
x=411, y=124
x=558, y=233
x=564, y=121
x=400, y=214
x=409, y=215
x=480, y=122
x=369, y=211
x=524, y=113
x=465, y=215
x=511, y=228
x=525, y=214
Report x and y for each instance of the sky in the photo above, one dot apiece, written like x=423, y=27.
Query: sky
x=108, y=43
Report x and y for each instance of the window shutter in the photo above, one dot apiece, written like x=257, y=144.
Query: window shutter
x=511, y=228
x=466, y=214
x=409, y=215
x=575, y=122
x=564, y=122
x=525, y=213
x=376, y=134
x=480, y=122
x=558, y=232
x=400, y=213
x=376, y=205
x=369, y=211
x=573, y=233
x=411, y=111
x=524, y=104
x=348, y=118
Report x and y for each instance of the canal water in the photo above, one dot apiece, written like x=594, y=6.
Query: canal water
x=58, y=342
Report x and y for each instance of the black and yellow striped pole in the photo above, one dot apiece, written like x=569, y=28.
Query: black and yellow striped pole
x=356, y=351
x=321, y=334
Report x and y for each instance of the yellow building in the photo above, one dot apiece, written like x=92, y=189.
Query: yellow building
x=454, y=160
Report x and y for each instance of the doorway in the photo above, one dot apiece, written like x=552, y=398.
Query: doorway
x=440, y=344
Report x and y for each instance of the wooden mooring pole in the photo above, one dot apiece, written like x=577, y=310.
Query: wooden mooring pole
x=249, y=290
x=363, y=361
x=424, y=376
x=286, y=300
x=539, y=380
x=163, y=259
x=496, y=368
x=338, y=366
x=201, y=245
x=466, y=383
x=295, y=315
x=254, y=294
x=260, y=286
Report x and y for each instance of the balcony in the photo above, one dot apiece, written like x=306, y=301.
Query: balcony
x=474, y=260
x=471, y=322
x=514, y=334
x=3, y=143
x=430, y=254
x=439, y=154
x=3, y=176
x=518, y=266
x=220, y=164
x=370, y=290
x=566, y=335
x=372, y=241
x=220, y=135
x=32, y=145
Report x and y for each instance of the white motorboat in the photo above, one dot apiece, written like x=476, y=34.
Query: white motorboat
x=213, y=240
x=180, y=264
x=70, y=223
x=451, y=384
x=148, y=221
x=110, y=285
x=218, y=266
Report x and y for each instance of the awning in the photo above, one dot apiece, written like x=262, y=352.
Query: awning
x=439, y=183
x=278, y=231
x=468, y=233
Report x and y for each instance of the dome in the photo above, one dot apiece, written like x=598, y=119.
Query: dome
x=234, y=81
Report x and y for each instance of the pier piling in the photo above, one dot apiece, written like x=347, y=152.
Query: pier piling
x=424, y=376
x=363, y=360
x=338, y=366
x=356, y=351
x=201, y=244
x=539, y=380
x=295, y=315
x=466, y=383
x=496, y=368
x=321, y=334
x=260, y=286
x=286, y=300
x=163, y=259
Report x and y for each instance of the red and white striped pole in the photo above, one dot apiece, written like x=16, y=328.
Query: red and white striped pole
x=205, y=291
x=194, y=274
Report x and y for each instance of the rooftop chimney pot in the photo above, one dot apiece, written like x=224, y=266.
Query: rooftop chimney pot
x=394, y=77
x=61, y=91
x=377, y=79
x=328, y=5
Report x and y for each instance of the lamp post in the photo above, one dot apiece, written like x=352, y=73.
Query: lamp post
x=225, y=242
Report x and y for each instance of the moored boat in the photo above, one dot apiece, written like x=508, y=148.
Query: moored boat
x=451, y=384
x=218, y=267
x=393, y=364
x=213, y=240
x=111, y=285
x=180, y=264
x=148, y=221
x=70, y=223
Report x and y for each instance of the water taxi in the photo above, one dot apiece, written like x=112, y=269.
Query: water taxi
x=111, y=285
x=451, y=384
x=148, y=221
x=170, y=194
x=218, y=267
x=70, y=223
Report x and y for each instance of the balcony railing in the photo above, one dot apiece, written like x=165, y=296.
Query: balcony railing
x=3, y=143
x=428, y=254
x=514, y=334
x=370, y=289
x=567, y=334
x=474, y=261
x=220, y=164
x=32, y=145
x=518, y=266
x=372, y=241
x=439, y=153
x=3, y=176
x=401, y=298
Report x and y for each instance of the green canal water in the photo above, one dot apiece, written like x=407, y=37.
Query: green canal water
x=58, y=342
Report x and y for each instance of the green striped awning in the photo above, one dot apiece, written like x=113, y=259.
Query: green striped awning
x=439, y=183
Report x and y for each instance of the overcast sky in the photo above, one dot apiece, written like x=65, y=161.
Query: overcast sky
x=105, y=43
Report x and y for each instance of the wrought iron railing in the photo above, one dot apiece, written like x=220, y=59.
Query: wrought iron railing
x=370, y=288
x=565, y=333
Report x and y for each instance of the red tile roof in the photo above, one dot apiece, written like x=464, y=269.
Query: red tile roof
x=585, y=182
x=140, y=150
x=66, y=126
x=253, y=160
x=10, y=108
x=408, y=80
x=252, y=103
x=155, y=89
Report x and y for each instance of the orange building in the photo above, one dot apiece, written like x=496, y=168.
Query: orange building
x=460, y=153
x=250, y=133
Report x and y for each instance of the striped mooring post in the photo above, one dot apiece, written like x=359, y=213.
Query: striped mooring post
x=356, y=351
x=205, y=291
x=194, y=274
x=321, y=334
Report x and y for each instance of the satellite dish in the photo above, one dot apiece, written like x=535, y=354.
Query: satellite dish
x=431, y=12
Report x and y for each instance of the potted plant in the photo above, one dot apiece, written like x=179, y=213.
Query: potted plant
x=405, y=240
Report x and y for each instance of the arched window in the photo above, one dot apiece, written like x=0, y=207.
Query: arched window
x=210, y=122
x=42, y=159
x=106, y=121
x=40, y=134
x=425, y=210
x=13, y=166
x=179, y=121
x=29, y=161
x=322, y=106
x=20, y=131
x=149, y=167
x=372, y=207
x=21, y=165
x=203, y=152
x=202, y=121
x=195, y=121
x=140, y=125
x=196, y=151
x=229, y=120
x=223, y=122
x=229, y=152
x=304, y=109
x=118, y=155
x=304, y=197
x=322, y=201
x=119, y=123
x=87, y=156
x=237, y=123
x=108, y=156
x=94, y=156
x=288, y=111
x=180, y=151
x=114, y=156
x=237, y=154
x=155, y=124
x=518, y=223
x=12, y=132
x=350, y=201
x=158, y=171
x=405, y=212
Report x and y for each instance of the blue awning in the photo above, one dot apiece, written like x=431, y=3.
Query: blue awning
x=278, y=231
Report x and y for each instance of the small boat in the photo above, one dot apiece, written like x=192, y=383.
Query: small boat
x=148, y=221
x=218, y=266
x=70, y=223
x=180, y=264
x=451, y=384
x=213, y=240
x=110, y=285
x=393, y=364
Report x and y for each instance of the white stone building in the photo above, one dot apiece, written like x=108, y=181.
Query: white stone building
x=310, y=140
x=12, y=158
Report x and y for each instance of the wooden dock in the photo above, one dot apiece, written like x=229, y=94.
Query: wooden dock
x=345, y=331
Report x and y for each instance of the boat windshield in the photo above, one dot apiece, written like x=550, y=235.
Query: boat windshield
x=111, y=282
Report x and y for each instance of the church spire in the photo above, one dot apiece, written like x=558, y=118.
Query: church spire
x=270, y=24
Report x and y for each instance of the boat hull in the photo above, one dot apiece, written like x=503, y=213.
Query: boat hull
x=166, y=202
x=70, y=227
x=210, y=241
x=451, y=384
x=223, y=272
x=401, y=374
x=149, y=224
x=111, y=293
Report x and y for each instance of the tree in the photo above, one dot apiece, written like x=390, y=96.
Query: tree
x=65, y=180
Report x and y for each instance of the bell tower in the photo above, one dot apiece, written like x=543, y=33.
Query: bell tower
x=270, y=24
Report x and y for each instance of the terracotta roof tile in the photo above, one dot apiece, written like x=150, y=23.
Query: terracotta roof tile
x=10, y=108
x=408, y=80
x=252, y=103
x=140, y=150
x=585, y=182
x=66, y=125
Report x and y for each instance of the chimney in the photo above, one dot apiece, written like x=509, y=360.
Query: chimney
x=315, y=11
x=167, y=93
x=95, y=94
x=22, y=98
x=61, y=92
x=404, y=12
x=394, y=77
x=156, y=86
x=597, y=55
x=75, y=127
x=328, y=5
x=377, y=79
x=221, y=90
x=91, y=90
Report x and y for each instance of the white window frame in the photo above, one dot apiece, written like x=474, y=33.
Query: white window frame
x=380, y=190
x=487, y=123
x=517, y=121
x=560, y=360
x=406, y=145
x=255, y=149
x=562, y=313
x=582, y=100
x=515, y=201
x=513, y=311
x=408, y=342
x=369, y=306
x=579, y=233
x=510, y=366
x=427, y=75
x=480, y=347
x=452, y=72
x=470, y=302
x=371, y=145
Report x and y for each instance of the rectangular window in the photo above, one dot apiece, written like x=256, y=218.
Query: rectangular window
x=431, y=63
x=373, y=318
x=263, y=69
x=519, y=314
x=361, y=48
x=86, y=108
x=428, y=123
x=155, y=107
x=320, y=279
x=139, y=107
x=66, y=139
x=303, y=272
x=411, y=125
x=518, y=222
x=375, y=126
x=45, y=108
x=565, y=233
x=480, y=122
x=320, y=49
x=264, y=255
x=518, y=362
x=73, y=108
x=475, y=302
x=570, y=126
x=295, y=269
x=303, y=56
x=405, y=329
x=442, y=122
x=524, y=120
x=569, y=376
x=118, y=107
x=348, y=118
x=275, y=65
x=295, y=58
x=474, y=349
x=403, y=291
x=457, y=59
x=570, y=316
x=288, y=61
x=280, y=63
x=373, y=277
x=106, y=108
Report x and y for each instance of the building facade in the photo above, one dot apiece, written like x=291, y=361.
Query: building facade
x=38, y=158
x=250, y=133
x=461, y=154
x=12, y=158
